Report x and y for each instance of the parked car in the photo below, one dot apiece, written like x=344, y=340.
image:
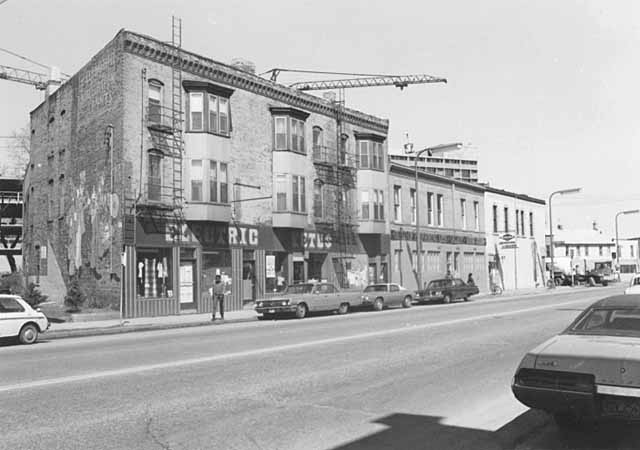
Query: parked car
x=447, y=290
x=19, y=319
x=302, y=298
x=591, y=370
x=634, y=285
x=381, y=295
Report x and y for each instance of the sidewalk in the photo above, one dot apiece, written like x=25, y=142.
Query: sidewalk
x=115, y=326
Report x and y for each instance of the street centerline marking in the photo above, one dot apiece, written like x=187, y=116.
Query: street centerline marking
x=263, y=351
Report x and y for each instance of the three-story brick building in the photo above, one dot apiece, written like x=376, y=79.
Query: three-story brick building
x=153, y=169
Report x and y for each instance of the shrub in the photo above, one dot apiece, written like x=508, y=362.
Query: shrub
x=33, y=296
x=75, y=298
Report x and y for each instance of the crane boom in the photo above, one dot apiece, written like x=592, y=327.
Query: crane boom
x=36, y=79
x=400, y=81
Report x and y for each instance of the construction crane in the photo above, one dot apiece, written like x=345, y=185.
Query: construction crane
x=39, y=80
x=363, y=80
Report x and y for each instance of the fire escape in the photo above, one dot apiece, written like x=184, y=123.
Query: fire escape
x=160, y=204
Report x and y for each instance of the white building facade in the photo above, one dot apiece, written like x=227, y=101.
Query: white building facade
x=514, y=225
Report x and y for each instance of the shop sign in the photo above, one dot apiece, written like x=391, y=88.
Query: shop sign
x=270, y=263
x=504, y=245
x=317, y=241
x=439, y=238
x=243, y=236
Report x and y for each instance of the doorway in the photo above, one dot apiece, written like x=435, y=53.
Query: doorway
x=187, y=285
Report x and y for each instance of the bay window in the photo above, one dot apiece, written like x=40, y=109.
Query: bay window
x=370, y=155
x=299, y=193
x=208, y=107
x=281, y=192
x=364, y=201
x=289, y=130
x=224, y=184
x=196, y=110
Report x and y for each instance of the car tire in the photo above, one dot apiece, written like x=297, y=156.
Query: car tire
x=378, y=304
x=28, y=334
x=301, y=311
x=605, y=283
x=447, y=299
x=343, y=308
x=406, y=302
x=466, y=298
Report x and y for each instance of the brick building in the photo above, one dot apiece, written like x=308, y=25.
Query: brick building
x=152, y=169
x=452, y=227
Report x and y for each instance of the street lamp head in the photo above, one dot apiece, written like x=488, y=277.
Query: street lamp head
x=631, y=211
x=569, y=191
x=442, y=148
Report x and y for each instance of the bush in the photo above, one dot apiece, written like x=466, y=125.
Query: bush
x=33, y=296
x=75, y=298
x=14, y=284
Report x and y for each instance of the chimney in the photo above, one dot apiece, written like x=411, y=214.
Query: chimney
x=244, y=65
x=330, y=96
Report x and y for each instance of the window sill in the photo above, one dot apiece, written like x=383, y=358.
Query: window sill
x=222, y=135
x=303, y=153
x=370, y=168
x=200, y=202
x=299, y=213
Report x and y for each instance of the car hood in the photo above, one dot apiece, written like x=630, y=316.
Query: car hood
x=635, y=289
x=602, y=356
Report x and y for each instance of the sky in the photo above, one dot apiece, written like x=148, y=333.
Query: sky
x=545, y=92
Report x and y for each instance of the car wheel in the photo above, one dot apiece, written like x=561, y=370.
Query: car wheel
x=406, y=302
x=301, y=311
x=378, y=304
x=446, y=299
x=28, y=334
x=466, y=298
x=343, y=308
x=605, y=283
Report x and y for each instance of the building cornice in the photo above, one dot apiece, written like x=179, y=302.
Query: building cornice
x=215, y=89
x=369, y=137
x=163, y=53
x=286, y=111
x=403, y=170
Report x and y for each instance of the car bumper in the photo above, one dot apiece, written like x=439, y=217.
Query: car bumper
x=276, y=309
x=551, y=400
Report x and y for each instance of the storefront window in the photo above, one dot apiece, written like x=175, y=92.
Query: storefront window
x=154, y=273
x=216, y=263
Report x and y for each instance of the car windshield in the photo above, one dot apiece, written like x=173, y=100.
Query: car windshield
x=635, y=281
x=437, y=284
x=376, y=288
x=303, y=288
x=609, y=322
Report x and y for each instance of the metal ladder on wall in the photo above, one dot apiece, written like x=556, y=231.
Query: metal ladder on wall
x=176, y=141
x=345, y=181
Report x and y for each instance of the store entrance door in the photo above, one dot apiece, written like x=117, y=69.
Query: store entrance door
x=187, y=285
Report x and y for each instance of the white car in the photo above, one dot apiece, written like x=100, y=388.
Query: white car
x=634, y=285
x=19, y=319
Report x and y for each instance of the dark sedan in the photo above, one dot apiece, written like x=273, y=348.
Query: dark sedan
x=447, y=290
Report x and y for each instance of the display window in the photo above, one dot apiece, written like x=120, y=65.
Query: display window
x=154, y=273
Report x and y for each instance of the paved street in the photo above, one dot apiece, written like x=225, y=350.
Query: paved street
x=433, y=377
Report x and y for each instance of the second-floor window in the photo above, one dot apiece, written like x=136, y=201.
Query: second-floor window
x=463, y=213
x=495, y=218
x=440, y=207
x=196, y=180
x=397, y=212
x=517, y=221
x=299, y=193
x=412, y=195
x=378, y=204
x=155, y=177
x=476, y=215
x=531, y=226
x=522, y=223
x=429, y=208
x=208, y=107
x=317, y=200
x=218, y=185
x=506, y=220
x=364, y=201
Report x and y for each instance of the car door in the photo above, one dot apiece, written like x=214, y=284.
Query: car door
x=331, y=299
x=12, y=315
x=394, y=297
x=457, y=290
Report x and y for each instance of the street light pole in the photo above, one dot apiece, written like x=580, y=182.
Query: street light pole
x=551, y=249
x=430, y=151
x=630, y=211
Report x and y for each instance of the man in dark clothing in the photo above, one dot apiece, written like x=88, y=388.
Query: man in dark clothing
x=470, y=280
x=218, y=298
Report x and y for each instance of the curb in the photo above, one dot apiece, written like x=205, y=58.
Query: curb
x=120, y=329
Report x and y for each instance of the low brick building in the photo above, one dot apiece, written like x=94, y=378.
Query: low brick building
x=153, y=169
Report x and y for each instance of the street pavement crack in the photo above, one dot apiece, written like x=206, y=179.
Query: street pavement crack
x=150, y=433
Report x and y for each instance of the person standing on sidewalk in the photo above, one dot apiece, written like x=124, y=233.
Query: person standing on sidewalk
x=218, y=298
